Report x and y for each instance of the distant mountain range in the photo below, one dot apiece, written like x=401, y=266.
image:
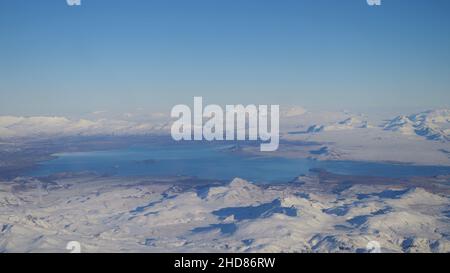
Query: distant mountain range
x=60, y=126
x=433, y=124
x=346, y=124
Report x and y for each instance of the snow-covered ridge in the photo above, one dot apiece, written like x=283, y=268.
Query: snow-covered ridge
x=126, y=215
x=433, y=124
x=350, y=123
x=11, y=126
x=316, y=122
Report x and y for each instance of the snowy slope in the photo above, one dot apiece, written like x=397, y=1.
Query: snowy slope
x=61, y=126
x=346, y=124
x=131, y=215
x=432, y=125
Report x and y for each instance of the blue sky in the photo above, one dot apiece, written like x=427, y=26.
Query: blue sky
x=120, y=55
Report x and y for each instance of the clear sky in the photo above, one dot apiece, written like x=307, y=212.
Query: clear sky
x=120, y=55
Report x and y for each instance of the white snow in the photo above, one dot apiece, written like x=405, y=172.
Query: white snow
x=43, y=126
x=138, y=215
x=431, y=124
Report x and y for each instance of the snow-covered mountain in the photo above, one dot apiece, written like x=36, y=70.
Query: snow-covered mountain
x=298, y=120
x=11, y=126
x=350, y=123
x=433, y=124
x=116, y=214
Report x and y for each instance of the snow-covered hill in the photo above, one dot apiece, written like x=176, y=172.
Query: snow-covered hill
x=300, y=121
x=137, y=215
x=350, y=123
x=432, y=125
x=61, y=126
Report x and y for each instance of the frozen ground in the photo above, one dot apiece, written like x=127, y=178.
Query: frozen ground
x=312, y=214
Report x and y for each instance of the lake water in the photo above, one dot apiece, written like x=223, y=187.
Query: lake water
x=215, y=162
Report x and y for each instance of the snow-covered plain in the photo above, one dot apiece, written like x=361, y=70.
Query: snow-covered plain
x=111, y=214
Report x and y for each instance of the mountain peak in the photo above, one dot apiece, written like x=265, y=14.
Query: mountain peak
x=431, y=124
